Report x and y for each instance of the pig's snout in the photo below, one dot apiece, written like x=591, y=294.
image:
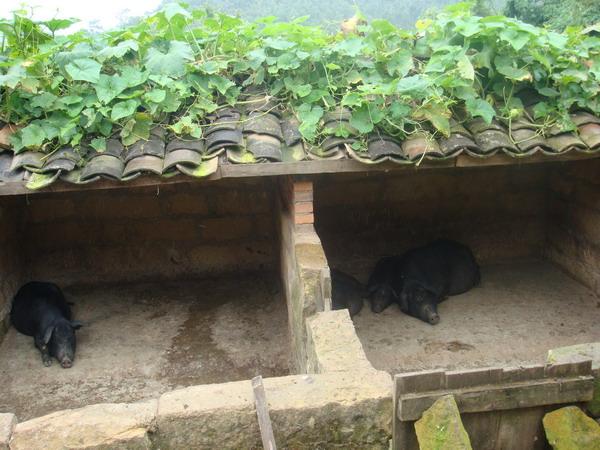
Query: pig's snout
x=434, y=319
x=66, y=363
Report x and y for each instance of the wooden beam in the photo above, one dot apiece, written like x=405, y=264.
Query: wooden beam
x=502, y=397
x=262, y=412
x=229, y=170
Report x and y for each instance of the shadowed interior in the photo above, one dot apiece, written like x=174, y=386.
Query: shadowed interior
x=535, y=230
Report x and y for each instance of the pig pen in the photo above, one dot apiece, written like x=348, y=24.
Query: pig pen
x=177, y=286
x=534, y=229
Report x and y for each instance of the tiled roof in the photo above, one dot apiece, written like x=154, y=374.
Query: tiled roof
x=263, y=135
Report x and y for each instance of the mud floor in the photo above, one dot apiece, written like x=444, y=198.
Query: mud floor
x=519, y=312
x=144, y=339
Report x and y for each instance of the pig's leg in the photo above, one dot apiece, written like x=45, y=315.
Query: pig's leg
x=43, y=348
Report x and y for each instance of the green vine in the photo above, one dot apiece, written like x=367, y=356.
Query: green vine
x=178, y=66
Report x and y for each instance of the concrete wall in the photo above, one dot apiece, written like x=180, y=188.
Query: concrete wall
x=129, y=234
x=11, y=261
x=498, y=211
x=573, y=233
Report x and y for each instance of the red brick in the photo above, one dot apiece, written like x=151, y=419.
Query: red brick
x=304, y=196
x=304, y=218
x=303, y=207
x=303, y=186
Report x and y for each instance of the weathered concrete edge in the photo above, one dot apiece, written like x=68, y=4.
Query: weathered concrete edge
x=307, y=411
x=8, y=422
x=333, y=346
x=330, y=409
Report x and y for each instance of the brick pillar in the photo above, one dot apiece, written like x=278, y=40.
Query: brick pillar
x=304, y=217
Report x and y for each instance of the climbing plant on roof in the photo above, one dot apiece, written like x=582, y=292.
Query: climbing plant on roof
x=178, y=66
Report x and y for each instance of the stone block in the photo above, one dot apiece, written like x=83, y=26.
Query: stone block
x=207, y=417
x=320, y=411
x=570, y=429
x=109, y=426
x=333, y=345
x=332, y=410
x=440, y=427
x=7, y=425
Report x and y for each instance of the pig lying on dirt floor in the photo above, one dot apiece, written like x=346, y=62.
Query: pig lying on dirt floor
x=347, y=292
x=40, y=310
x=422, y=278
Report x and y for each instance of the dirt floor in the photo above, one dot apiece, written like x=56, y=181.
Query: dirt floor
x=519, y=312
x=145, y=339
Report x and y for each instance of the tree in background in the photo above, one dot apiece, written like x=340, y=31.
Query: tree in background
x=557, y=14
x=401, y=13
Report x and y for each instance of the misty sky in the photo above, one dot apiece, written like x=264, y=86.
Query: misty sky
x=102, y=13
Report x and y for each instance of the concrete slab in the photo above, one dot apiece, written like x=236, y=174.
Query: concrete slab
x=147, y=338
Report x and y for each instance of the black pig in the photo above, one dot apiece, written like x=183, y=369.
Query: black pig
x=381, y=284
x=348, y=292
x=40, y=310
x=428, y=275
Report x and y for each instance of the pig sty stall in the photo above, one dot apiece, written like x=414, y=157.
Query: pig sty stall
x=176, y=286
x=534, y=229
x=189, y=288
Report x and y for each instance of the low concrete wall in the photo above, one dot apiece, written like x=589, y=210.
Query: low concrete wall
x=307, y=411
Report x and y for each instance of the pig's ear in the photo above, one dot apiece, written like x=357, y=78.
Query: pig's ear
x=76, y=324
x=372, y=289
x=48, y=334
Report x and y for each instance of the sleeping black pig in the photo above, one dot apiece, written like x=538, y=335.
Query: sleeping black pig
x=432, y=273
x=347, y=292
x=40, y=310
x=382, y=283
x=424, y=277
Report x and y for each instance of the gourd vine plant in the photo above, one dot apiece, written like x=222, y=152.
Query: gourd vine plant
x=178, y=66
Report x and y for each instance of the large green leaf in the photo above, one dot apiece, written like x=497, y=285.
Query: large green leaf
x=136, y=129
x=479, y=107
x=13, y=76
x=400, y=63
x=504, y=65
x=109, y=86
x=32, y=136
x=119, y=50
x=172, y=62
x=465, y=68
x=84, y=69
x=123, y=109
x=309, y=118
